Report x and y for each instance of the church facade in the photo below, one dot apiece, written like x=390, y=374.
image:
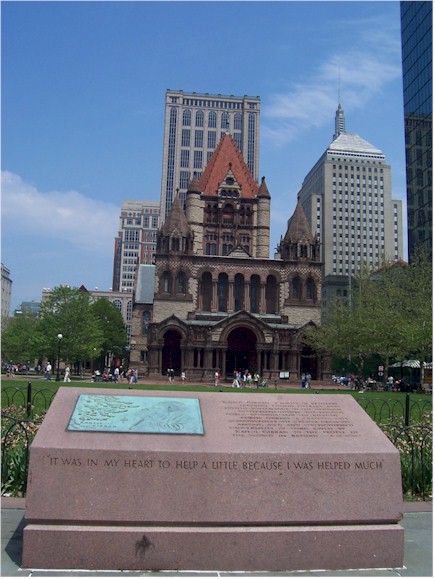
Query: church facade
x=218, y=303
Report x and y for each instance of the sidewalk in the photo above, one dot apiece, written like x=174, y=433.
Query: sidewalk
x=417, y=522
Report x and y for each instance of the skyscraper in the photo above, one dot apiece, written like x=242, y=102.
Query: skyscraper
x=194, y=125
x=348, y=201
x=416, y=24
x=136, y=241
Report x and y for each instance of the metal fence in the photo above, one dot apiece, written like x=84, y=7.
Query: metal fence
x=413, y=437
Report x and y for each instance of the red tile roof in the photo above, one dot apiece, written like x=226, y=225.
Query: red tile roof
x=227, y=156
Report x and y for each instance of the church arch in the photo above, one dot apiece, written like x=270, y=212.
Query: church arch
x=171, y=351
x=241, y=351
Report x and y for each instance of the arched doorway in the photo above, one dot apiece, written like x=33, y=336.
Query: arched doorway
x=241, y=351
x=171, y=353
x=309, y=362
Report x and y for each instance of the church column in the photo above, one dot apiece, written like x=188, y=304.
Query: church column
x=246, y=296
x=214, y=296
x=231, y=297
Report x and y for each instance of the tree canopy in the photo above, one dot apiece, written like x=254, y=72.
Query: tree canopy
x=88, y=328
x=388, y=313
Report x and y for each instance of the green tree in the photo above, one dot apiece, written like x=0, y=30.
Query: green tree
x=112, y=327
x=68, y=311
x=387, y=313
x=21, y=339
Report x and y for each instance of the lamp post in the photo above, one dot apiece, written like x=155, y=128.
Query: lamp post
x=59, y=337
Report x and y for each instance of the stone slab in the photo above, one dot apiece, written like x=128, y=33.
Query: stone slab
x=263, y=459
x=213, y=548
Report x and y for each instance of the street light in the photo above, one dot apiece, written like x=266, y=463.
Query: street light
x=59, y=337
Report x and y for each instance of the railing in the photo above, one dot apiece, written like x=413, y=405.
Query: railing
x=17, y=436
x=391, y=410
x=415, y=446
x=413, y=438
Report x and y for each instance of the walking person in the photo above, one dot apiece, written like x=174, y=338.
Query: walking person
x=67, y=373
x=303, y=380
x=48, y=371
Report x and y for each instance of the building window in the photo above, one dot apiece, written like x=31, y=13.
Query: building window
x=184, y=161
x=185, y=137
x=199, y=120
x=237, y=122
x=187, y=118
x=211, y=139
x=199, y=138
x=197, y=159
x=212, y=119
x=225, y=121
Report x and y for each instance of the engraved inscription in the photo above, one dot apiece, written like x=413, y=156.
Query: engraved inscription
x=284, y=419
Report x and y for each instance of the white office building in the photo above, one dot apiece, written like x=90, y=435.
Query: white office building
x=348, y=201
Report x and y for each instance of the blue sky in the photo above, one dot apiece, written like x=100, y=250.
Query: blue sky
x=83, y=86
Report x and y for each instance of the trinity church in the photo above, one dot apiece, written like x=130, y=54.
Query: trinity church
x=214, y=301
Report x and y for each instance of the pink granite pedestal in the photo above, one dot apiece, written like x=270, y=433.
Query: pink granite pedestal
x=277, y=482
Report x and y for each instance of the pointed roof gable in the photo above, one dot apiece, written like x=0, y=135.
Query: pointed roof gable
x=176, y=220
x=298, y=227
x=226, y=156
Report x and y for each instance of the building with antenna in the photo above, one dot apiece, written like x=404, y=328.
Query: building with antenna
x=194, y=125
x=218, y=302
x=348, y=201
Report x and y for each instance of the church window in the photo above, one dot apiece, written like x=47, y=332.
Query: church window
x=239, y=292
x=228, y=215
x=166, y=282
x=222, y=289
x=206, y=291
x=295, y=289
x=181, y=283
x=254, y=294
x=309, y=289
x=146, y=316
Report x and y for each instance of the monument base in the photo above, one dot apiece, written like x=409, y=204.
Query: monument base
x=206, y=548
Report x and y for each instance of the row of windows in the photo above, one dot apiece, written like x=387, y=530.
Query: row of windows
x=357, y=168
x=225, y=119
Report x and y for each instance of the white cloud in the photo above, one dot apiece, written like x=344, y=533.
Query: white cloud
x=68, y=217
x=371, y=62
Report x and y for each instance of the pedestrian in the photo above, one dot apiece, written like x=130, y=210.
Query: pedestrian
x=116, y=375
x=303, y=380
x=256, y=379
x=390, y=383
x=308, y=381
x=67, y=373
x=183, y=376
x=216, y=378
x=168, y=373
x=48, y=371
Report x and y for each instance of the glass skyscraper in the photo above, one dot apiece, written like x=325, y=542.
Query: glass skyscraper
x=416, y=26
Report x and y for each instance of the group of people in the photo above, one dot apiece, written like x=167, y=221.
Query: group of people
x=245, y=379
x=306, y=380
x=170, y=372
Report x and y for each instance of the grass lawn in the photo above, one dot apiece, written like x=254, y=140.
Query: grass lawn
x=381, y=406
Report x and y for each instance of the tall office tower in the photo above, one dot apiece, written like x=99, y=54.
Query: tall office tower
x=136, y=241
x=194, y=125
x=416, y=23
x=347, y=199
x=6, y=292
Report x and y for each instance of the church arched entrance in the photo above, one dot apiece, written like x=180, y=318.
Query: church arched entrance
x=171, y=353
x=241, y=351
x=309, y=362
